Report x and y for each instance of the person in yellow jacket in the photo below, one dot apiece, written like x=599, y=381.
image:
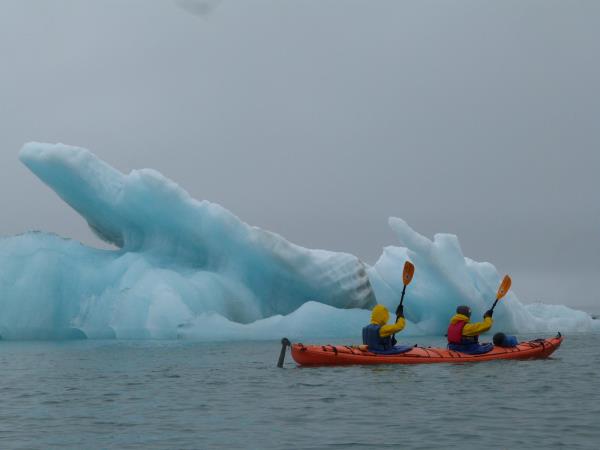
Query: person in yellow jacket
x=463, y=336
x=378, y=335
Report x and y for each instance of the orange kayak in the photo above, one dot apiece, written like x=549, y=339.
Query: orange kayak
x=341, y=355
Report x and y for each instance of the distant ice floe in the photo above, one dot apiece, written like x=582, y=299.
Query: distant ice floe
x=191, y=269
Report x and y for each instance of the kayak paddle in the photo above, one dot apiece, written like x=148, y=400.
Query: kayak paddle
x=407, y=274
x=502, y=290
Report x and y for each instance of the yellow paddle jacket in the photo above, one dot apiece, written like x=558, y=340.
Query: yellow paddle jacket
x=380, y=315
x=472, y=329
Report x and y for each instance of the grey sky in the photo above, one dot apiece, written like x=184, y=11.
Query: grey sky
x=318, y=119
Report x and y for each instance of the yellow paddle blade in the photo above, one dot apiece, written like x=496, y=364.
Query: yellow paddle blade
x=408, y=272
x=504, y=287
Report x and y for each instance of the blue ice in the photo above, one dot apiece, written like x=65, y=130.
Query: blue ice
x=183, y=268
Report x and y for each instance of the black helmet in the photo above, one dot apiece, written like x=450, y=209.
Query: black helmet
x=499, y=339
x=464, y=310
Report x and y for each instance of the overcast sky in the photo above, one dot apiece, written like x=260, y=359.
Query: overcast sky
x=319, y=119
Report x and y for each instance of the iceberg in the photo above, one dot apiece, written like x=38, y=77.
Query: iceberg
x=183, y=268
x=445, y=278
x=176, y=258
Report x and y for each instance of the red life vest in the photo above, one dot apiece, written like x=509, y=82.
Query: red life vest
x=455, y=332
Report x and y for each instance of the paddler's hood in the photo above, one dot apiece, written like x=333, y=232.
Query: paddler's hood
x=459, y=318
x=380, y=315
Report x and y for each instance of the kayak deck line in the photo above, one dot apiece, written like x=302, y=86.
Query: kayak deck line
x=339, y=355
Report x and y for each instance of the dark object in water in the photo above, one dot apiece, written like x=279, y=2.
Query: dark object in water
x=285, y=342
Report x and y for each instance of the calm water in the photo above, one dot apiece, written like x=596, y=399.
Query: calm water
x=157, y=394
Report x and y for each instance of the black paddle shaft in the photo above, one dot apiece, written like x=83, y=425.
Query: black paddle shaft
x=398, y=315
x=401, y=300
x=494, y=305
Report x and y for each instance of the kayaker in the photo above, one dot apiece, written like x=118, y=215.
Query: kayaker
x=378, y=335
x=463, y=336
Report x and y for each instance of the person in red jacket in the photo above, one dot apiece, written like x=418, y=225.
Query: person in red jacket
x=463, y=336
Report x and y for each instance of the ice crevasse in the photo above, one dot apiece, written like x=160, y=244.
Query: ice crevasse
x=184, y=268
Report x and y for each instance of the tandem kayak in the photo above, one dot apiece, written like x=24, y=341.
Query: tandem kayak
x=341, y=355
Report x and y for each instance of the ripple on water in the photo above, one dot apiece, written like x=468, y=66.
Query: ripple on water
x=193, y=395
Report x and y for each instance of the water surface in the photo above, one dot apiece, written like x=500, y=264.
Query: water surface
x=178, y=394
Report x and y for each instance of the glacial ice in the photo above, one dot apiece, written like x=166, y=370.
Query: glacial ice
x=191, y=269
x=446, y=278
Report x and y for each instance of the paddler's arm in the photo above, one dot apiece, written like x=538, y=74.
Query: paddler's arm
x=473, y=329
x=388, y=330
